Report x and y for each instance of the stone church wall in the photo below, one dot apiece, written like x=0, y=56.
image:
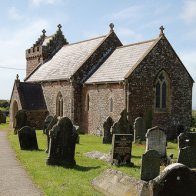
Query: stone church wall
x=51, y=90
x=142, y=90
x=15, y=100
x=99, y=105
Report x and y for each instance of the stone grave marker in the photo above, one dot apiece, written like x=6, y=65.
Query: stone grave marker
x=107, y=139
x=156, y=140
x=2, y=117
x=49, y=122
x=121, y=149
x=122, y=126
x=187, y=149
x=21, y=120
x=175, y=180
x=150, y=165
x=27, y=138
x=62, y=143
x=139, y=129
x=76, y=131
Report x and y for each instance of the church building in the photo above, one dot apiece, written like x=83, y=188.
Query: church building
x=92, y=79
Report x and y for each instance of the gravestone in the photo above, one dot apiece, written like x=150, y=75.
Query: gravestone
x=49, y=122
x=156, y=140
x=139, y=129
x=175, y=180
x=150, y=165
x=122, y=126
x=121, y=149
x=2, y=117
x=76, y=131
x=107, y=139
x=27, y=138
x=62, y=143
x=187, y=149
x=21, y=120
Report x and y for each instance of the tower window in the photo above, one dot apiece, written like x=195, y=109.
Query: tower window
x=111, y=105
x=59, y=105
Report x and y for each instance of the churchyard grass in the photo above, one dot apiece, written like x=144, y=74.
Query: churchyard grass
x=5, y=125
x=54, y=180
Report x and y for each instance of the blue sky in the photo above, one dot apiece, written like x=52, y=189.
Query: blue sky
x=22, y=21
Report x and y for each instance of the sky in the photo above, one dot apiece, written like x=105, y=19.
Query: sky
x=22, y=22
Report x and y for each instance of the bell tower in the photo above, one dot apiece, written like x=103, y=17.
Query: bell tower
x=44, y=49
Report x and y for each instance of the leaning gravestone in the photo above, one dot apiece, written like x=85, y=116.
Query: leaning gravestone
x=139, y=129
x=187, y=149
x=150, y=165
x=121, y=149
x=21, y=120
x=175, y=180
x=49, y=122
x=62, y=143
x=156, y=140
x=122, y=126
x=107, y=139
x=27, y=138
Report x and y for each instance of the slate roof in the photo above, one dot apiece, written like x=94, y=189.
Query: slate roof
x=31, y=96
x=120, y=62
x=66, y=61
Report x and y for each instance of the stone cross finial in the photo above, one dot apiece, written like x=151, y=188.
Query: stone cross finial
x=59, y=26
x=44, y=32
x=17, y=77
x=111, y=27
x=161, y=31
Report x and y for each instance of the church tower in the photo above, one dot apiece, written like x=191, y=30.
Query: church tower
x=44, y=49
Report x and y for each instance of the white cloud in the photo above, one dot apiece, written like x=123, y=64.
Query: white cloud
x=133, y=12
x=14, y=13
x=128, y=36
x=189, y=11
x=39, y=2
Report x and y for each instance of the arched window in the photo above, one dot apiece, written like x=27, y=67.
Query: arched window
x=162, y=92
x=111, y=105
x=87, y=102
x=59, y=105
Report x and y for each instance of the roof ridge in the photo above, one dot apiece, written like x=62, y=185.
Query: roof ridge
x=85, y=40
x=137, y=43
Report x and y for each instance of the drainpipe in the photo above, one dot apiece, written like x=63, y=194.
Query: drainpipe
x=72, y=99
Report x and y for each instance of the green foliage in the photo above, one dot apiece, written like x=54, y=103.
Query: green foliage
x=4, y=105
x=54, y=180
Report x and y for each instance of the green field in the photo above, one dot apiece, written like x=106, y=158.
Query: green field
x=54, y=180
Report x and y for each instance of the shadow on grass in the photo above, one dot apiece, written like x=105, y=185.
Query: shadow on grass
x=136, y=157
x=84, y=169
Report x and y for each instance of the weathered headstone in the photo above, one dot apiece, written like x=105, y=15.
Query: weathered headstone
x=187, y=149
x=175, y=180
x=21, y=120
x=62, y=143
x=49, y=122
x=2, y=117
x=139, y=129
x=107, y=139
x=156, y=140
x=122, y=126
x=27, y=138
x=76, y=132
x=150, y=165
x=121, y=149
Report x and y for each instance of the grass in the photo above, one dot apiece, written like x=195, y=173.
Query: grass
x=77, y=181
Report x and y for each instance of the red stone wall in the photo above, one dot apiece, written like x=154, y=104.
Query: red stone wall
x=99, y=105
x=142, y=91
